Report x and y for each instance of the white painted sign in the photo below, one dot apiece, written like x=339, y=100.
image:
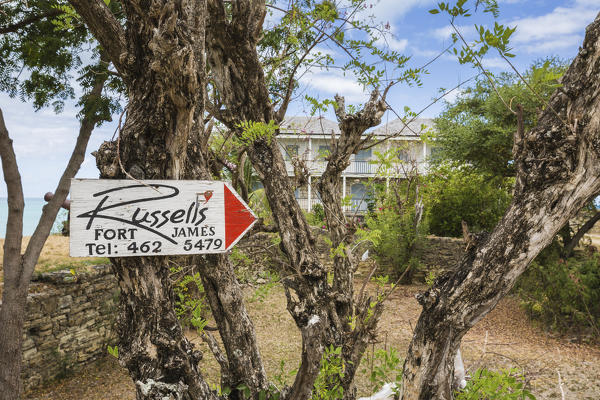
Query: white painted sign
x=121, y=218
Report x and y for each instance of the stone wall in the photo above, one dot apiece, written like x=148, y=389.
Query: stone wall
x=442, y=253
x=69, y=322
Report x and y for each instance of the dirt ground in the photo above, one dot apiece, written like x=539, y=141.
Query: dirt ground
x=503, y=339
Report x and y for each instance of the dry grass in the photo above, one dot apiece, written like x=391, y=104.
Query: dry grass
x=55, y=255
x=509, y=337
x=511, y=342
x=595, y=238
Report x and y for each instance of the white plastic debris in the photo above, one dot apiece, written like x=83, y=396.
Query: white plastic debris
x=386, y=393
x=365, y=256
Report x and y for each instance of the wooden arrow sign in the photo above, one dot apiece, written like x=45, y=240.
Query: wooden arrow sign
x=121, y=218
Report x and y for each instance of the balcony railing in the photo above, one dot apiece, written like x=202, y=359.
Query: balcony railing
x=356, y=205
x=361, y=168
x=317, y=167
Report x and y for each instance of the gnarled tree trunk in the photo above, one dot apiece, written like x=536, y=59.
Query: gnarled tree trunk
x=558, y=171
x=160, y=56
x=354, y=340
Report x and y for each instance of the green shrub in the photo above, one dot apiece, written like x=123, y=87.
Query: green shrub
x=318, y=212
x=317, y=216
x=399, y=241
x=492, y=385
x=385, y=367
x=331, y=372
x=563, y=294
x=190, y=302
x=453, y=194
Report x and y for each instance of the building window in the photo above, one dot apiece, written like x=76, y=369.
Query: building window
x=403, y=155
x=324, y=151
x=291, y=151
x=435, y=152
x=363, y=155
x=361, y=197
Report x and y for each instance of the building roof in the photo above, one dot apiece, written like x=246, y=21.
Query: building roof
x=323, y=126
x=398, y=128
x=308, y=125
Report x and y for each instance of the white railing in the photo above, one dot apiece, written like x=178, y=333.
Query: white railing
x=303, y=202
x=356, y=205
x=317, y=167
x=361, y=168
x=356, y=168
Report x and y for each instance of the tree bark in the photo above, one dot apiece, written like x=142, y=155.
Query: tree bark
x=163, y=66
x=19, y=269
x=320, y=311
x=239, y=78
x=14, y=295
x=353, y=340
x=159, y=57
x=558, y=170
x=244, y=362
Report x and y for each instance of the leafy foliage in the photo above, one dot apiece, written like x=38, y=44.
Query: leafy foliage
x=271, y=279
x=397, y=216
x=492, y=385
x=318, y=214
x=43, y=46
x=477, y=129
x=190, y=303
x=113, y=351
x=386, y=367
x=327, y=385
x=399, y=240
x=453, y=194
x=563, y=294
x=255, y=131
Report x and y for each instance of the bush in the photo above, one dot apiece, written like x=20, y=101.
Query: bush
x=488, y=385
x=317, y=215
x=563, y=294
x=453, y=194
x=190, y=300
x=400, y=241
x=318, y=212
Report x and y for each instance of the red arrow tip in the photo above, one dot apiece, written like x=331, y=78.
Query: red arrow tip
x=237, y=217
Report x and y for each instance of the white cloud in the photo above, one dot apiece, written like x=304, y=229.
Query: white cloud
x=562, y=28
x=393, y=43
x=43, y=142
x=446, y=32
x=453, y=95
x=331, y=83
x=390, y=10
x=495, y=62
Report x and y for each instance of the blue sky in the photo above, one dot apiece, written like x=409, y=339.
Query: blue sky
x=43, y=140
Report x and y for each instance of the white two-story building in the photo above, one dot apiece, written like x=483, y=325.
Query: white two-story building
x=309, y=138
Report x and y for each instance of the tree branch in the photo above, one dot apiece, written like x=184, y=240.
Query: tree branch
x=14, y=188
x=589, y=224
x=50, y=210
x=106, y=29
x=290, y=84
x=30, y=20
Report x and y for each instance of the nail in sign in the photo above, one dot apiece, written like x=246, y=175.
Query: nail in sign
x=121, y=218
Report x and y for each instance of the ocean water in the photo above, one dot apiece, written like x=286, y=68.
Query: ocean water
x=31, y=216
